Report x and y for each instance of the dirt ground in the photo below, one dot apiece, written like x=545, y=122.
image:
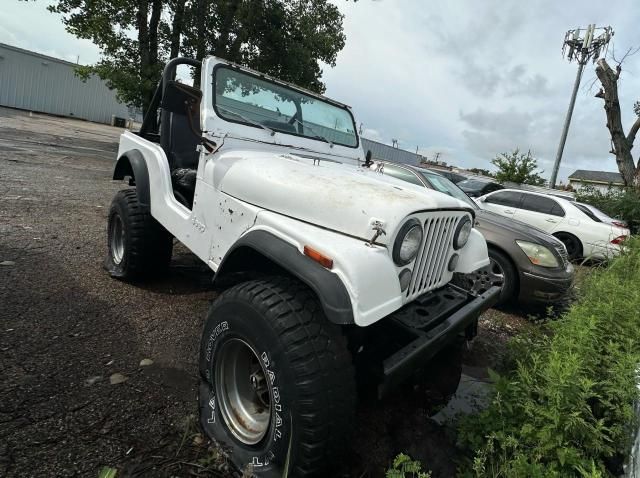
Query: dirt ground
x=66, y=328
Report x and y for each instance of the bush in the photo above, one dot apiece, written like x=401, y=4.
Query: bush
x=405, y=467
x=619, y=203
x=566, y=409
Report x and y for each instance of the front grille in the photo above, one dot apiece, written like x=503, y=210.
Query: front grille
x=430, y=268
x=562, y=251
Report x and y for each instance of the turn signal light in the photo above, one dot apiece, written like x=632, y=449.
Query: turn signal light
x=320, y=258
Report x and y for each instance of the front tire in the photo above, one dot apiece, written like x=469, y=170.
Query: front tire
x=504, y=274
x=277, y=383
x=500, y=272
x=137, y=245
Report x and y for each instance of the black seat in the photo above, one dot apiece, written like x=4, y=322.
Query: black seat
x=183, y=181
x=180, y=138
x=183, y=142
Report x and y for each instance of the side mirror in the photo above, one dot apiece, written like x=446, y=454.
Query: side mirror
x=179, y=99
x=482, y=199
x=367, y=159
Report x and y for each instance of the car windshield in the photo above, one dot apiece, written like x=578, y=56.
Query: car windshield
x=244, y=98
x=472, y=184
x=442, y=184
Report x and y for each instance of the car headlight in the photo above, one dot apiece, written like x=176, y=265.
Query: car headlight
x=407, y=243
x=463, y=231
x=537, y=254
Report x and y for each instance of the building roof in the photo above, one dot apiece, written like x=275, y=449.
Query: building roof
x=36, y=54
x=606, y=177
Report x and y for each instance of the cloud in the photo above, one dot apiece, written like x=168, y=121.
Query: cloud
x=468, y=78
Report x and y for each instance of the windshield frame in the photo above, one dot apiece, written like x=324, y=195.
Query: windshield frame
x=294, y=88
x=425, y=176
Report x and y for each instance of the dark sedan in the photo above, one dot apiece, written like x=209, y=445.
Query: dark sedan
x=531, y=265
x=478, y=187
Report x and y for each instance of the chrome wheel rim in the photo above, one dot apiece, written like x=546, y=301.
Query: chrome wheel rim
x=482, y=280
x=243, y=393
x=117, y=239
x=495, y=273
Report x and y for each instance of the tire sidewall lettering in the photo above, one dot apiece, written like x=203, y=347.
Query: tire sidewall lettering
x=269, y=455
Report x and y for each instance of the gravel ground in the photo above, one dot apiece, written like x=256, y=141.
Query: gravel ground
x=66, y=328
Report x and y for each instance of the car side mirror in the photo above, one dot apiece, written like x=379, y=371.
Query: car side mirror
x=367, y=159
x=180, y=99
x=482, y=199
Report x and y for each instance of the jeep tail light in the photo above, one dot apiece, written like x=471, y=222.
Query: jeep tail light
x=320, y=258
x=619, y=240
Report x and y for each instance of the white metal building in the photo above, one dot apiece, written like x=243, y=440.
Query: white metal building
x=36, y=82
x=388, y=153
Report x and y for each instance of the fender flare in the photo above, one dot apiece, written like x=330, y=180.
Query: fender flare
x=132, y=163
x=327, y=286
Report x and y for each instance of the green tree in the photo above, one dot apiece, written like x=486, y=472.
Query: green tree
x=518, y=167
x=482, y=171
x=284, y=38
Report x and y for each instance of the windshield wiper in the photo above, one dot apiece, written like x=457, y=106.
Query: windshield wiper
x=318, y=136
x=250, y=121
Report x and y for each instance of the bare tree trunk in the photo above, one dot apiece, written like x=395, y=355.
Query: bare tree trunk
x=143, y=46
x=148, y=44
x=621, y=143
x=201, y=39
x=177, y=26
x=154, y=22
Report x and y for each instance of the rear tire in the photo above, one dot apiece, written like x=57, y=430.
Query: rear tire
x=137, y=245
x=572, y=244
x=277, y=382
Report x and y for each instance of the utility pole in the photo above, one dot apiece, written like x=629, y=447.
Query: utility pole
x=581, y=45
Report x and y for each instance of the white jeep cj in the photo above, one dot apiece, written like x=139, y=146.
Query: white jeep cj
x=337, y=268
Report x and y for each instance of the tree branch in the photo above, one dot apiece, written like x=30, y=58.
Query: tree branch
x=631, y=137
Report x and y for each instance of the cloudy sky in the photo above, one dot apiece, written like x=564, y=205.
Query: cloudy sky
x=464, y=78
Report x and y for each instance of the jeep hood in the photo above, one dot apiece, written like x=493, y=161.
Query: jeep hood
x=336, y=196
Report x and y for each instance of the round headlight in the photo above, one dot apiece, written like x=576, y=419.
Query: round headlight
x=463, y=231
x=408, y=242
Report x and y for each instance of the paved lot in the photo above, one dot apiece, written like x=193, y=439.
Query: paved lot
x=66, y=328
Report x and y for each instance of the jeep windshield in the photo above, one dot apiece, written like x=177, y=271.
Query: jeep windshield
x=242, y=97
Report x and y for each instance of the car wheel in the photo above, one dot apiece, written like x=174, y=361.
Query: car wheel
x=572, y=244
x=500, y=272
x=137, y=245
x=503, y=274
x=277, y=382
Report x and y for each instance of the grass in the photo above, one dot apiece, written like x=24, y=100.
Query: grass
x=565, y=407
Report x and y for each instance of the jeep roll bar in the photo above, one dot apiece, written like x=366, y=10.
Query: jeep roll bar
x=150, y=121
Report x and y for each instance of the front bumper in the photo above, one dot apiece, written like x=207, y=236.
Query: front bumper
x=536, y=287
x=435, y=319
